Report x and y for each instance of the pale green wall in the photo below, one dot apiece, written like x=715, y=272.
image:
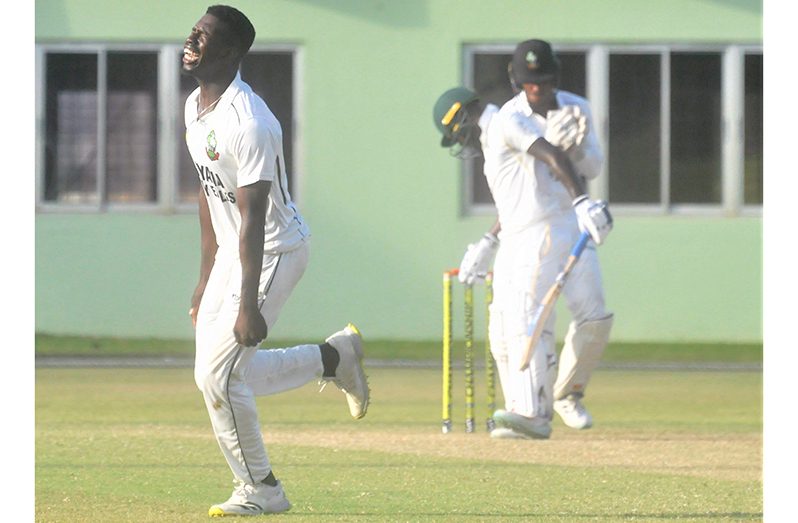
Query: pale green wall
x=380, y=195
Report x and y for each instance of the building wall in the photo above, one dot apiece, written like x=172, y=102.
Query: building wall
x=381, y=197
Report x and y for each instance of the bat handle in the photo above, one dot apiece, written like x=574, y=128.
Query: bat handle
x=580, y=244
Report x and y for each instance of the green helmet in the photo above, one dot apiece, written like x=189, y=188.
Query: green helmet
x=448, y=114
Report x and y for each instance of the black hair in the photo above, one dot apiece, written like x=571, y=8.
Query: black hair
x=239, y=31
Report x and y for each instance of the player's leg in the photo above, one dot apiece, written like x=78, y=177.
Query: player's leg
x=271, y=371
x=585, y=341
x=502, y=300
x=219, y=372
x=537, y=257
x=337, y=359
x=515, y=391
x=528, y=406
x=498, y=349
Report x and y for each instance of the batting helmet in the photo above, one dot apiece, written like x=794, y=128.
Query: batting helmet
x=533, y=62
x=448, y=112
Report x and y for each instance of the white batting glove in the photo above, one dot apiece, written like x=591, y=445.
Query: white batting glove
x=477, y=259
x=593, y=217
x=566, y=127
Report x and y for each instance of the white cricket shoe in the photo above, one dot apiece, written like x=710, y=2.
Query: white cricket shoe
x=533, y=428
x=573, y=413
x=505, y=433
x=350, y=376
x=252, y=500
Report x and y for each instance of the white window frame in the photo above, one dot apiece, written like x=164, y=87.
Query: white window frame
x=597, y=58
x=169, y=121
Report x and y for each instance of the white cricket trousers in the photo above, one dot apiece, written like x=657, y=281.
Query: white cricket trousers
x=230, y=375
x=526, y=266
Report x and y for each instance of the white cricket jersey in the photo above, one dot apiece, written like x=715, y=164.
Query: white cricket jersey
x=524, y=189
x=239, y=143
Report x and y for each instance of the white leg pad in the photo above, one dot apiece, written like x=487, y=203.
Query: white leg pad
x=498, y=348
x=532, y=394
x=584, y=346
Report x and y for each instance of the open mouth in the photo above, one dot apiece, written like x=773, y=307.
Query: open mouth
x=190, y=56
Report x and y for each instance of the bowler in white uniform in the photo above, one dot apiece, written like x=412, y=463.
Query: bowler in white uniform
x=254, y=249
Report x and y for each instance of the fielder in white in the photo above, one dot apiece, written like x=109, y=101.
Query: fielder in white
x=538, y=148
x=254, y=247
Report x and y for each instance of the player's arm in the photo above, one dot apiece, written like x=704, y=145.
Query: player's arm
x=593, y=216
x=560, y=166
x=208, y=247
x=250, y=328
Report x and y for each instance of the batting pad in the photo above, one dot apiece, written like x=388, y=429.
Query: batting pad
x=584, y=346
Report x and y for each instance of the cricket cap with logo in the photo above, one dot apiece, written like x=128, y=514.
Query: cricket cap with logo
x=534, y=62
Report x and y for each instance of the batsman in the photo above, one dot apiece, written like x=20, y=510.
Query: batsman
x=539, y=149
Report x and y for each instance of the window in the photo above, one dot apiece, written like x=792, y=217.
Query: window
x=662, y=121
x=492, y=83
x=132, y=127
x=753, y=129
x=111, y=129
x=695, y=128
x=101, y=127
x=71, y=128
x=635, y=125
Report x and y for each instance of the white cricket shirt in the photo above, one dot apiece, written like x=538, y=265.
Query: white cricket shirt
x=524, y=189
x=239, y=143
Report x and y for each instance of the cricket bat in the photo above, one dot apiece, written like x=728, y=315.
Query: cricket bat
x=542, y=313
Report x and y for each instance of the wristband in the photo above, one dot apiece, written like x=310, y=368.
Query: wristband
x=492, y=239
x=579, y=199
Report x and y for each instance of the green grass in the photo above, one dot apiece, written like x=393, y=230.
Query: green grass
x=118, y=445
x=48, y=345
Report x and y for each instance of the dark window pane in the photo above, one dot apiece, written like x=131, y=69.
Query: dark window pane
x=491, y=80
x=187, y=181
x=492, y=83
x=271, y=75
x=573, y=72
x=131, y=159
x=70, y=170
x=695, y=128
x=480, y=192
x=634, y=141
x=753, y=130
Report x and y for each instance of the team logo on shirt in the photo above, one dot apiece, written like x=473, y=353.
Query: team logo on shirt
x=210, y=150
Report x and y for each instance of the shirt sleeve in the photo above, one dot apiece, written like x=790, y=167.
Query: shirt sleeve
x=588, y=157
x=256, y=147
x=520, y=131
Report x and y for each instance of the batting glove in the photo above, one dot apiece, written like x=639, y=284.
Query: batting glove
x=566, y=127
x=477, y=259
x=593, y=217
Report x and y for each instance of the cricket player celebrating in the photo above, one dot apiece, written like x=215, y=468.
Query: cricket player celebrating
x=254, y=249
x=538, y=149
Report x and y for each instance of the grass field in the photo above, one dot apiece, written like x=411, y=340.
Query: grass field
x=117, y=445
x=81, y=346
